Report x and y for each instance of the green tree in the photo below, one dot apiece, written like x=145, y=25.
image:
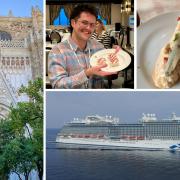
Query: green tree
x=22, y=134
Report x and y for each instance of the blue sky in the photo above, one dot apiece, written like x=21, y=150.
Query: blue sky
x=20, y=8
x=63, y=106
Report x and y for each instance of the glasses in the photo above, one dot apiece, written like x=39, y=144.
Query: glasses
x=86, y=23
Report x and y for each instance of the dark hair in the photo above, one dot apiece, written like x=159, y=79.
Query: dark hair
x=82, y=8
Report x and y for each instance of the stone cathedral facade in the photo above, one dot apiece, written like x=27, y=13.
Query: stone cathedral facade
x=21, y=55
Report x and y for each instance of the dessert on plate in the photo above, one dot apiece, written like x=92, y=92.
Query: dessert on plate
x=111, y=61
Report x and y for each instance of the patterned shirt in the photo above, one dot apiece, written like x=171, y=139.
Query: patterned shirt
x=66, y=65
x=103, y=38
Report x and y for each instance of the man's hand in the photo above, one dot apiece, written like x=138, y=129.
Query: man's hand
x=97, y=71
x=112, y=57
x=116, y=47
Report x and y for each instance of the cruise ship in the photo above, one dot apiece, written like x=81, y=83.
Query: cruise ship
x=97, y=132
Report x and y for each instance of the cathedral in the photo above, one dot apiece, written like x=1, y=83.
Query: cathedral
x=21, y=55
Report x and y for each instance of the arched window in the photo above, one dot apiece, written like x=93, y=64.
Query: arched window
x=61, y=19
x=5, y=35
x=103, y=20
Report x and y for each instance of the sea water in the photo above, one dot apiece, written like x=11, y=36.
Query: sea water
x=67, y=164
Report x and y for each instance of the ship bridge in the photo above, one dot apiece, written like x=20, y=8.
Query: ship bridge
x=173, y=118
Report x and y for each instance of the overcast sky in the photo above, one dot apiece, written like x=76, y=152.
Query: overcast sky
x=62, y=107
x=20, y=8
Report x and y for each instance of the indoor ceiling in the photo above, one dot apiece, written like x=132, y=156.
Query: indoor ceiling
x=78, y=1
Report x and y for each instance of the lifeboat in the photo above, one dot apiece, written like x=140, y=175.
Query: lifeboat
x=80, y=136
x=86, y=136
x=93, y=136
x=73, y=136
x=100, y=136
x=140, y=138
x=133, y=137
x=125, y=137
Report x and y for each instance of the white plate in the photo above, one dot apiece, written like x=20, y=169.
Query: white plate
x=123, y=57
x=152, y=36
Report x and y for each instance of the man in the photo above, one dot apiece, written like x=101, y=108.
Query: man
x=69, y=65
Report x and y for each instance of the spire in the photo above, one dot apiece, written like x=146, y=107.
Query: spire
x=35, y=11
x=10, y=14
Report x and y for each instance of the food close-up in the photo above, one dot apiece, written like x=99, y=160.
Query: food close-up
x=158, y=45
x=167, y=68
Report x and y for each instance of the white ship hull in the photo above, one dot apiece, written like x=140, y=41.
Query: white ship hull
x=155, y=144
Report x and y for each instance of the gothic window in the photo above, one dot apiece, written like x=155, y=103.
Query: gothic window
x=8, y=62
x=5, y=35
x=12, y=62
x=3, y=61
x=27, y=61
x=17, y=62
x=22, y=62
